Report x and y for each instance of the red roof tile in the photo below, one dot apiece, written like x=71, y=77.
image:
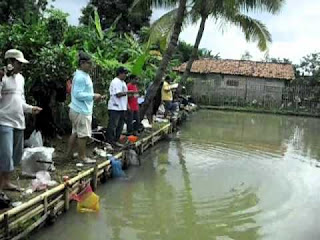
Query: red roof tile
x=242, y=68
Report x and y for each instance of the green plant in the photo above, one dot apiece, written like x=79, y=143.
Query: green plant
x=57, y=25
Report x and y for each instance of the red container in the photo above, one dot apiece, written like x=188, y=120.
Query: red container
x=133, y=138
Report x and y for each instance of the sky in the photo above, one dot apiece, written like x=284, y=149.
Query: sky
x=294, y=31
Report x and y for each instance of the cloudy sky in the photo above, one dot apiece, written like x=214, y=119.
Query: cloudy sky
x=294, y=31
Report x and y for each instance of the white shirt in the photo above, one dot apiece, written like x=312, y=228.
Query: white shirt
x=12, y=102
x=118, y=103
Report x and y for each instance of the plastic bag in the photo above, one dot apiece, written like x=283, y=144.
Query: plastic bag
x=87, y=200
x=117, y=168
x=161, y=120
x=37, y=159
x=100, y=152
x=133, y=158
x=35, y=140
x=42, y=181
x=146, y=124
x=161, y=109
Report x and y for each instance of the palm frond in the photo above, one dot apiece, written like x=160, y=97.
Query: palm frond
x=159, y=3
x=253, y=29
x=271, y=6
x=162, y=28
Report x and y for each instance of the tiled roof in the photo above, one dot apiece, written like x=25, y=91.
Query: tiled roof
x=242, y=68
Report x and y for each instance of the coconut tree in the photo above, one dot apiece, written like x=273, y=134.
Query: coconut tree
x=181, y=11
x=230, y=11
x=227, y=11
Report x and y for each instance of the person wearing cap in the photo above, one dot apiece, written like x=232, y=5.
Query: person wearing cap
x=12, y=120
x=117, y=106
x=133, y=118
x=81, y=106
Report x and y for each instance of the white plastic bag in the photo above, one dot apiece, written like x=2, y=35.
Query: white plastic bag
x=161, y=109
x=42, y=181
x=100, y=152
x=146, y=124
x=161, y=120
x=35, y=140
x=37, y=159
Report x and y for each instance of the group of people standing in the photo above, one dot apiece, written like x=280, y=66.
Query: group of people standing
x=122, y=106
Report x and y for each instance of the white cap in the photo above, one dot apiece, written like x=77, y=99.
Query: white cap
x=16, y=54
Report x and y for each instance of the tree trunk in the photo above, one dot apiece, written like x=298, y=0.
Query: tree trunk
x=195, y=49
x=166, y=58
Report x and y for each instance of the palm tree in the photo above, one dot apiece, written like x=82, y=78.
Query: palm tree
x=230, y=12
x=166, y=57
x=226, y=10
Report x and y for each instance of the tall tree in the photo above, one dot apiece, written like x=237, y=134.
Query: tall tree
x=166, y=57
x=230, y=11
x=184, y=51
x=246, y=56
x=308, y=71
x=310, y=64
x=24, y=10
x=110, y=10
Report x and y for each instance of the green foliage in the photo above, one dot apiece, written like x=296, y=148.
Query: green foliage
x=28, y=38
x=161, y=30
x=267, y=58
x=184, y=50
x=308, y=71
x=57, y=25
x=246, y=56
x=253, y=29
x=110, y=10
x=41, y=43
x=98, y=25
x=27, y=11
x=310, y=64
x=52, y=47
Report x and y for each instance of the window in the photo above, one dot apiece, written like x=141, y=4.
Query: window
x=233, y=83
x=272, y=89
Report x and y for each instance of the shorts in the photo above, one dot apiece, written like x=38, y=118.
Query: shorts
x=81, y=124
x=11, y=148
x=170, y=106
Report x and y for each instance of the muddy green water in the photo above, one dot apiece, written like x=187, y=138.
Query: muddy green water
x=223, y=176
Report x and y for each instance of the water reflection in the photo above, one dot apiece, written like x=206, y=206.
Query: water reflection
x=147, y=203
x=269, y=133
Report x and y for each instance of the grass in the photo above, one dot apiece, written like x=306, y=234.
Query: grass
x=261, y=110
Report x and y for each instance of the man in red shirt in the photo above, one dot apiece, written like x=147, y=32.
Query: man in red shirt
x=133, y=121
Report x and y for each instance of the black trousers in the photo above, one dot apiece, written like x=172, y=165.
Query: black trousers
x=115, y=125
x=133, y=121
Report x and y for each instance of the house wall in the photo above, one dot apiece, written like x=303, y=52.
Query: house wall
x=216, y=88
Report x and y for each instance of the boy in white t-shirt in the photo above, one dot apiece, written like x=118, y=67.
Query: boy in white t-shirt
x=117, y=106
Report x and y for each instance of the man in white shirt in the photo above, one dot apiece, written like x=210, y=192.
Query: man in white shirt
x=117, y=106
x=12, y=121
